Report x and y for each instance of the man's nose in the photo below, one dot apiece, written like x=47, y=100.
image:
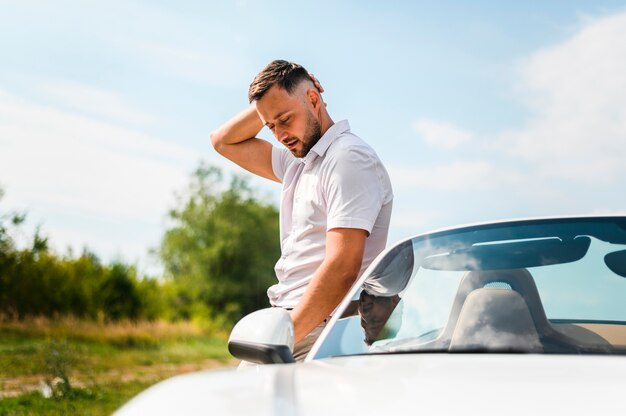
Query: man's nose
x=281, y=135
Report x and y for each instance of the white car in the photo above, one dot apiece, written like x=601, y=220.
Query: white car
x=524, y=317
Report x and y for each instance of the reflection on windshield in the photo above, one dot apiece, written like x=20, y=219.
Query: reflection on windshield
x=542, y=286
x=380, y=294
x=375, y=312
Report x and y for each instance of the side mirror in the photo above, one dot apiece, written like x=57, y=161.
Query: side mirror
x=263, y=337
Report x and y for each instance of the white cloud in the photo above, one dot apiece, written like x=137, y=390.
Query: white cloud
x=441, y=134
x=107, y=178
x=568, y=158
x=91, y=100
x=577, y=92
x=67, y=160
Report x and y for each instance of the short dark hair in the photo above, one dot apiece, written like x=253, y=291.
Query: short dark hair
x=286, y=74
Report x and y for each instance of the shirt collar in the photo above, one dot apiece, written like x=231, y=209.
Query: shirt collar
x=326, y=140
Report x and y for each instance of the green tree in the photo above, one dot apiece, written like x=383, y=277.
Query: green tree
x=221, y=247
x=8, y=220
x=119, y=294
x=8, y=256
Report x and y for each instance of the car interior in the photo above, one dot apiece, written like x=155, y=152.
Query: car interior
x=501, y=311
x=495, y=303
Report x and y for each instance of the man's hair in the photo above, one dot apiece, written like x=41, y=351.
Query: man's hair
x=285, y=74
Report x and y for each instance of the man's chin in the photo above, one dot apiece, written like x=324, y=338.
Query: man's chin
x=300, y=150
x=300, y=153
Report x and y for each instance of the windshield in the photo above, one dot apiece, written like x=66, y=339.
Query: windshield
x=542, y=286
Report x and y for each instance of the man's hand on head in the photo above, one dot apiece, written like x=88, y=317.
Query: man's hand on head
x=316, y=82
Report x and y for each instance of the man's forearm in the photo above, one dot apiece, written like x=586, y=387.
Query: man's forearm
x=236, y=141
x=332, y=279
x=244, y=126
x=324, y=293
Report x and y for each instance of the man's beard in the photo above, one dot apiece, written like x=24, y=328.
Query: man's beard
x=312, y=135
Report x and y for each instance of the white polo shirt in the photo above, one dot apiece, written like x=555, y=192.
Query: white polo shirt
x=340, y=183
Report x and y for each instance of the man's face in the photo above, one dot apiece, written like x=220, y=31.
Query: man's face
x=290, y=118
x=375, y=311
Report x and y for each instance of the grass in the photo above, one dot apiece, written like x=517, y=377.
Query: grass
x=104, y=364
x=102, y=399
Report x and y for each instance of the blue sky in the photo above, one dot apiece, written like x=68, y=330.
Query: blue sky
x=480, y=110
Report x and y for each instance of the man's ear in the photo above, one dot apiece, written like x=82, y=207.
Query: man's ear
x=314, y=97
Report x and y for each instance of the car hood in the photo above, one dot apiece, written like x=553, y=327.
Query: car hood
x=482, y=384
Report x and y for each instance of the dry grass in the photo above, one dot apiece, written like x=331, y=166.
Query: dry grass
x=123, y=333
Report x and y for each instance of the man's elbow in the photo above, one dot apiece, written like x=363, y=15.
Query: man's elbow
x=217, y=140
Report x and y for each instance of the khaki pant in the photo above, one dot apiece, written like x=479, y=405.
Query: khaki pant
x=302, y=348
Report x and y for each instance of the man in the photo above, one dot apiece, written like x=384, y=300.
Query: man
x=336, y=195
x=375, y=312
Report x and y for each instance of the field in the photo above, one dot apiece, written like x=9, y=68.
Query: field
x=68, y=366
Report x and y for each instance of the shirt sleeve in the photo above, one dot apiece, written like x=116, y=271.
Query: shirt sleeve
x=280, y=160
x=354, y=190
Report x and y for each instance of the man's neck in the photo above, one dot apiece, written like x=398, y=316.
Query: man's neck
x=326, y=123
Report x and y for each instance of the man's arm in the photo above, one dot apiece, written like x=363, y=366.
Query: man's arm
x=236, y=141
x=332, y=280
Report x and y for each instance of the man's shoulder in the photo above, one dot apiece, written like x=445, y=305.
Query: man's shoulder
x=349, y=144
x=351, y=157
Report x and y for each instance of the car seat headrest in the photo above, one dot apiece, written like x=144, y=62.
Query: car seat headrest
x=496, y=320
